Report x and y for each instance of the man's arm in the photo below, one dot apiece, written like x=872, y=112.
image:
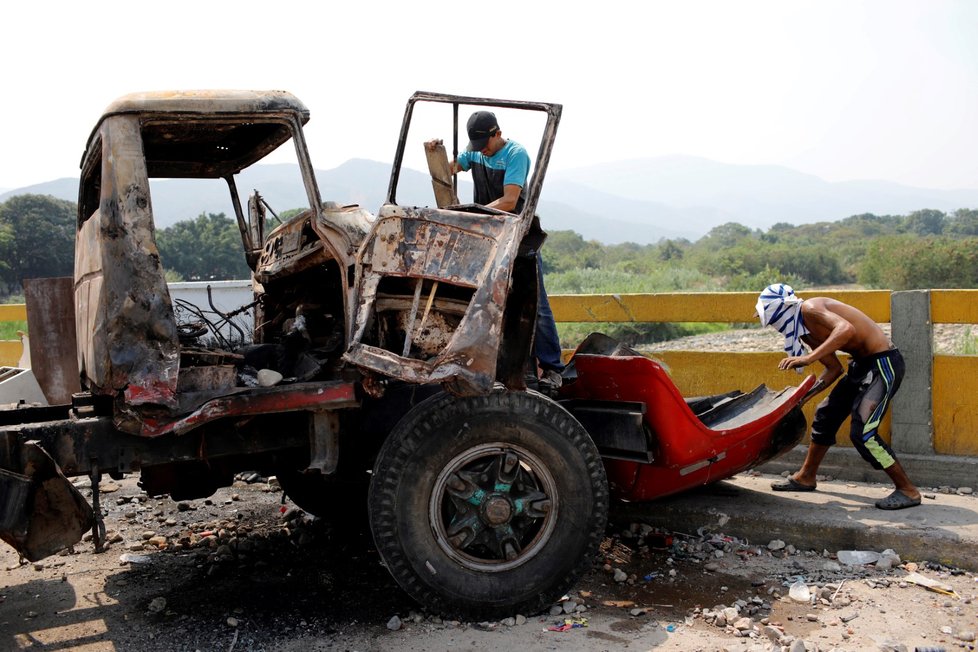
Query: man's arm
x=840, y=330
x=511, y=194
x=833, y=369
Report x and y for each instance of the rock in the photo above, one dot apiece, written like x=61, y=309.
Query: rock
x=772, y=633
x=269, y=377
x=568, y=606
x=712, y=567
x=232, y=622
x=730, y=614
x=965, y=491
x=620, y=575
x=966, y=635
x=776, y=544
x=508, y=622
x=520, y=619
x=394, y=624
x=857, y=557
x=156, y=605
x=556, y=610
x=798, y=645
x=744, y=624
x=799, y=592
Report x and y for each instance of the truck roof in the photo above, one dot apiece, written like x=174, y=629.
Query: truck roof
x=206, y=133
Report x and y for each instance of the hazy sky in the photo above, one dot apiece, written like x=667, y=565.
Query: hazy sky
x=841, y=89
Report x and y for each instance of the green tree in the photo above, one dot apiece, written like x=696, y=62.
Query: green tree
x=207, y=248
x=963, y=222
x=926, y=222
x=37, y=239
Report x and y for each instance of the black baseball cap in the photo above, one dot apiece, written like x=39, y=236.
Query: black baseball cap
x=481, y=126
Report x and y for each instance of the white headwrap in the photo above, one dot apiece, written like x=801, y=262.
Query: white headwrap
x=778, y=306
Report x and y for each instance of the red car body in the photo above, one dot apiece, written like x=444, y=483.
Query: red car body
x=689, y=442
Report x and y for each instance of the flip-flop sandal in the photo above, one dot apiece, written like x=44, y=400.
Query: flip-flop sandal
x=791, y=485
x=897, y=500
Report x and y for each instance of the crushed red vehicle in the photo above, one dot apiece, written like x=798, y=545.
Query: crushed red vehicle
x=386, y=371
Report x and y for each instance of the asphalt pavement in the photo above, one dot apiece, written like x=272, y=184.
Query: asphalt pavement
x=839, y=515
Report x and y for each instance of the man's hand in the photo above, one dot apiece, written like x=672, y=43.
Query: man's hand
x=430, y=145
x=793, y=362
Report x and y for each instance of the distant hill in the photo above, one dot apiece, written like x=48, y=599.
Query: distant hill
x=639, y=201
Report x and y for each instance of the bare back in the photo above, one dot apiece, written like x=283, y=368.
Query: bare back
x=822, y=317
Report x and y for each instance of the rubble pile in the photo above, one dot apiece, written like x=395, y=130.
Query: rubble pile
x=825, y=586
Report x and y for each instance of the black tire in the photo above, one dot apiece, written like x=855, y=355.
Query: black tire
x=488, y=506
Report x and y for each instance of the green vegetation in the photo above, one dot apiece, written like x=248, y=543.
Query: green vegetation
x=8, y=329
x=925, y=249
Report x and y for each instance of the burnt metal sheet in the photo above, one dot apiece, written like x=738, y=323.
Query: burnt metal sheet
x=41, y=513
x=126, y=331
x=50, y=322
x=460, y=249
x=284, y=398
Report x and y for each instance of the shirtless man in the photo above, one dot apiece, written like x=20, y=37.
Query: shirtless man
x=864, y=393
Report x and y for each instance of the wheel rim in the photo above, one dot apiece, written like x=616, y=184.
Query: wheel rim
x=493, y=507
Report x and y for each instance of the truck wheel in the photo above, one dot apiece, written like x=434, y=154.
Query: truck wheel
x=488, y=506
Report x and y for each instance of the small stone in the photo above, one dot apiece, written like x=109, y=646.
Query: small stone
x=394, y=624
x=508, y=622
x=712, y=567
x=156, y=605
x=183, y=507
x=268, y=378
x=965, y=635
x=776, y=544
x=965, y=491
x=772, y=633
x=232, y=622
x=520, y=619
x=568, y=606
x=556, y=610
x=620, y=575
x=744, y=624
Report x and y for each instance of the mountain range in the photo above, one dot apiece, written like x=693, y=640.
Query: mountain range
x=641, y=201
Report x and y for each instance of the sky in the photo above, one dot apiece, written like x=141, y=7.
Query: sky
x=844, y=90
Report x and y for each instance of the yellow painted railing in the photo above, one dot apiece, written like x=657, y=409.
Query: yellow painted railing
x=954, y=388
x=10, y=350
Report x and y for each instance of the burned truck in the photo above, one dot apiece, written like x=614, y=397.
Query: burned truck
x=386, y=373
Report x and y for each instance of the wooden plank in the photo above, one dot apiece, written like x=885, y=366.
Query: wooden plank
x=441, y=176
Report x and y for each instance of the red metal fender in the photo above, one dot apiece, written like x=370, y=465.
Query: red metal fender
x=686, y=453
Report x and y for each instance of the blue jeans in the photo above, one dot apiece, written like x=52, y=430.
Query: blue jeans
x=546, y=343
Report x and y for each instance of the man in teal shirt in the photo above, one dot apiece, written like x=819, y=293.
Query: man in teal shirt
x=499, y=170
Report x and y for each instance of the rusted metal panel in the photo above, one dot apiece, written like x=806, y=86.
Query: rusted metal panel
x=50, y=322
x=121, y=293
x=286, y=398
x=41, y=512
x=458, y=249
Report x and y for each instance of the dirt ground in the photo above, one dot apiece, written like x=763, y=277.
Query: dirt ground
x=243, y=571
